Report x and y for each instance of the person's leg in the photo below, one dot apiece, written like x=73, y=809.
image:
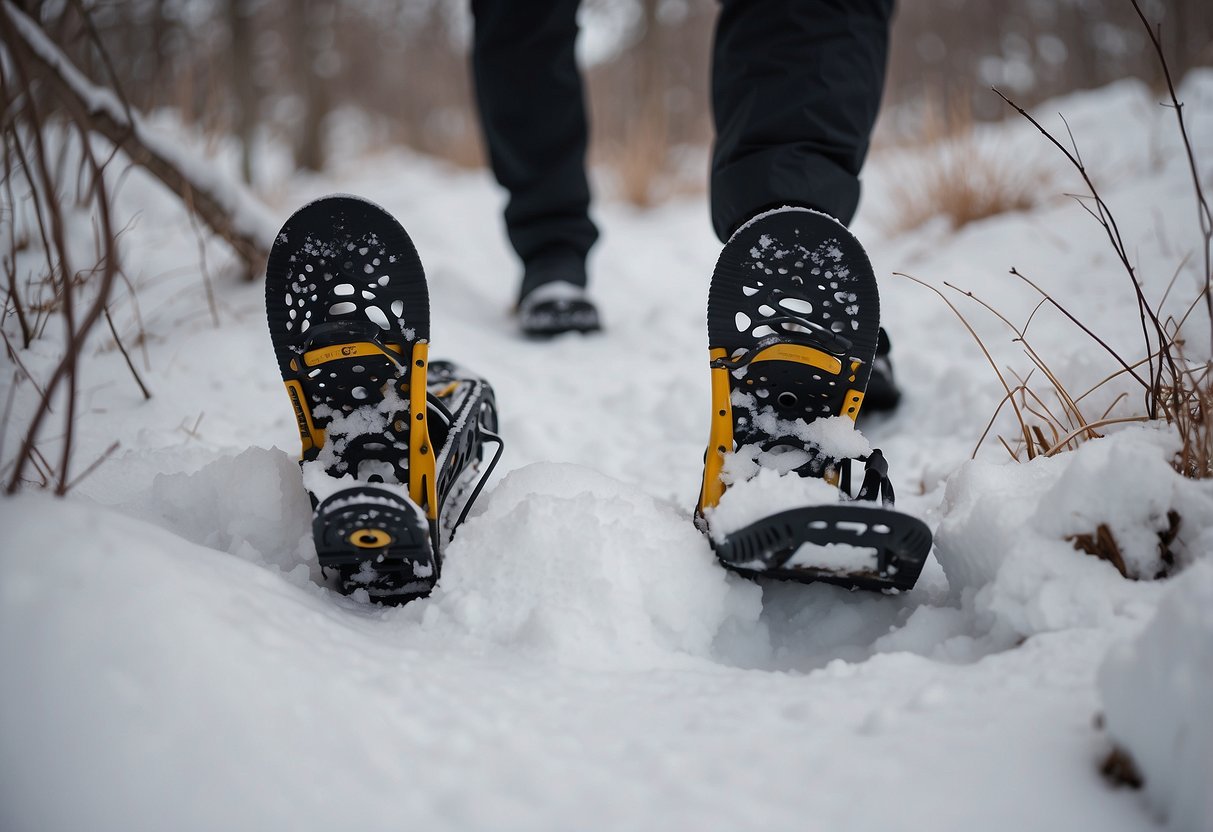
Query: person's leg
x=532, y=111
x=793, y=306
x=795, y=91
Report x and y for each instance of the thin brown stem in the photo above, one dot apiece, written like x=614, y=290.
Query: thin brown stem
x=127, y=356
x=1204, y=215
x=1006, y=387
x=1120, y=420
x=1086, y=329
x=96, y=463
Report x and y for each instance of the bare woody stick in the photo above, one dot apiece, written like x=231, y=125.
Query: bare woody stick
x=229, y=209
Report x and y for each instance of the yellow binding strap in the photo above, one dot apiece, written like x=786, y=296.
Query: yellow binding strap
x=720, y=437
x=852, y=403
x=801, y=355
x=309, y=434
x=423, y=479
x=338, y=351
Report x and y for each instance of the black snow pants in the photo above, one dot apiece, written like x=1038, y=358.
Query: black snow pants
x=796, y=86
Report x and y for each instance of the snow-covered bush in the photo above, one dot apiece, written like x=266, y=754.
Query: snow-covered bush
x=1010, y=534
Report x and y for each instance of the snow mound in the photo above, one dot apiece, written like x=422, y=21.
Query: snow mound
x=1004, y=540
x=251, y=505
x=570, y=563
x=1155, y=691
x=136, y=672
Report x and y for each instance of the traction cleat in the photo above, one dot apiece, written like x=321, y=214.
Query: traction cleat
x=793, y=330
x=393, y=446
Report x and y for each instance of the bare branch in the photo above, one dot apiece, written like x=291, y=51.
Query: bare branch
x=1018, y=415
x=229, y=209
x=130, y=364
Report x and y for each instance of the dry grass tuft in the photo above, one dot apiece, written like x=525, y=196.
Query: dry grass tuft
x=1191, y=402
x=1174, y=390
x=956, y=176
x=640, y=160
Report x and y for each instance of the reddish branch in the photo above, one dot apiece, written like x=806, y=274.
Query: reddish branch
x=227, y=208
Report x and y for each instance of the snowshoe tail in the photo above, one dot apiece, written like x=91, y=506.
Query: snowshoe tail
x=800, y=544
x=392, y=444
x=793, y=326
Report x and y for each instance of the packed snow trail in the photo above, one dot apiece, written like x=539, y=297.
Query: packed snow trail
x=172, y=658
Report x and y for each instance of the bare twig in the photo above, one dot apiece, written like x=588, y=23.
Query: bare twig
x=130, y=364
x=1204, y=215
x=12, y=353
x=1014, y=455
x=993, y=417
x=207, y=286
x=1006, y=387
x=1021, y=337
x=1103, y=215
x=93, y=465
x=8, y=410
x=1093, y=425
x=1112, y=406
x=77, y=329
x=192, y=432
x=224, y=214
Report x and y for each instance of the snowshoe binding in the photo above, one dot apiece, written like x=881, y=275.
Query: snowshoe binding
x=793, y=326
x=393, y=444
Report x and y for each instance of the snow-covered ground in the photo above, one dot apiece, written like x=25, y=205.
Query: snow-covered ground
x=169, y=657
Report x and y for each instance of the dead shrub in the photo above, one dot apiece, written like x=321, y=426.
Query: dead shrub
x=1174, y=390
x=1102, y=544
x=956, y=175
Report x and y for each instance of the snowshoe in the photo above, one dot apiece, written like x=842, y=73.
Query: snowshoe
x=793, y=326
x=393, y=445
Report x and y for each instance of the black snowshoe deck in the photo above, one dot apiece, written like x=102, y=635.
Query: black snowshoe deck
x=392, y=445
x=894, y=544
x=793, y=324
